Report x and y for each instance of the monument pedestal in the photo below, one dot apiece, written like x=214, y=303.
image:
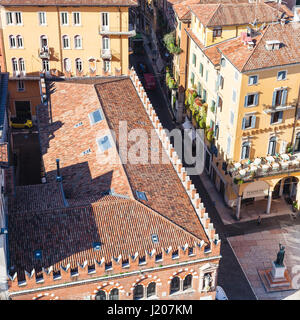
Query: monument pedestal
x=276, y=278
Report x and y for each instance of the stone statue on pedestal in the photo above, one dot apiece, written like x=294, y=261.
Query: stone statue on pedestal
x=280, y=256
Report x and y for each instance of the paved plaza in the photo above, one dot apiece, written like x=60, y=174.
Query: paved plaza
x=258, y=250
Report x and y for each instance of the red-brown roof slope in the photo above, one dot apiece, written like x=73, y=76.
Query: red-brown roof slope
x=102, y=3
x=160, y=182
x=259, y=57
x=66, y=236
x=69, y=135
x=228, y=14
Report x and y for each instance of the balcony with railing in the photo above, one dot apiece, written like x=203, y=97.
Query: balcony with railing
x=44, y=53
x=264, y=167
x=106, y=31
x=106, y=54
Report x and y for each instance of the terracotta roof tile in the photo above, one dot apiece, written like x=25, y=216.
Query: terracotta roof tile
x=259, y=57
x=121, y=226
x=234, y=14
x=68, y=2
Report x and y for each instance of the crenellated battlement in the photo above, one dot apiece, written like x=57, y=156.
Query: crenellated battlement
x=176, y=162
x=117, y=267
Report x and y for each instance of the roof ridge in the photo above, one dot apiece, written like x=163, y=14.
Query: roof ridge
x=255, y=47
x=217, y=8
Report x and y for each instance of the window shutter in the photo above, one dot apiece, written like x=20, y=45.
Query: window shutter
x=280, y=116
x=194, y=59
x=243, y=152
x=270, y=147
x=283, y=99
x=228, y=145
x=201, y=69
x=274, y=98
x=218, y=101
x=272, y=116
x=256, y=99
x=243, y=123
x=246, y=101
x=253, y=120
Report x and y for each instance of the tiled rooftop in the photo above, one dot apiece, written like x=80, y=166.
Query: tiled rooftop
x=220, y=14
x=68, y=3
x=66, y=236
x=122, y=225
x=259, y=57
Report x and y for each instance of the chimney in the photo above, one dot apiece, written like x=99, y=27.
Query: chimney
x=250, y=45
x=58, y=177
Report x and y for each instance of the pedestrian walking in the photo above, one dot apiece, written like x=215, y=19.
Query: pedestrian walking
x=258, y=220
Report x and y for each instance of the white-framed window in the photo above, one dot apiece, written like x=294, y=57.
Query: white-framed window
x=18, y=17
x=20, y=85
x=248, y=122
x=12, y=41
x=14, y=62
x=44, y=41
x=251, y=100
x=22, y=65
x=231, y=120
x=272, y=146
x=233, y=95
x=245, y=150
x=9, y=18
x=79, y=65
x=77, y=42
x=228, y=145
x=279, y=97
x=252, y=80
x=45, y=65
x=76, y=19
x=236, y=76
x=67, y=64
x=276, y=117
x=281, y=75
x=105, y=43
x=64, y=18
x=106, y=65
x=19, y=41
x=105, y=21
x=42, y=18
x=66, y=42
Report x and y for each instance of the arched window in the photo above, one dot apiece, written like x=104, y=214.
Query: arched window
x=67, y=64
x=245, y=150
x=12, y=41
x=151, y=289
x=114, y=294
x=175, y=285
x=44, y=41
x=297, y=143
x=77, y=42
x=272, y=146
x=66, y=42
x=101, y=295
x=21, y=64
x=19, y=41
x=138, y=292
x=187, y=282
x=14, y=64
x=78, y=63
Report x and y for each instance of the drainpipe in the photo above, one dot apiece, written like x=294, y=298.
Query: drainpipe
x=59, y=41
x=295, y=120
x=121, y=62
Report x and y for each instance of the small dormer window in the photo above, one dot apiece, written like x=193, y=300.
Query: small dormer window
x=272, y=45
x=217, y=32
x=175, y=254
x=158, y=257
x=95, y=116
x=223, y=62
x=104, y=143
x=108, y=266
x=141, y=195
x=142, y=260
x=97, y=246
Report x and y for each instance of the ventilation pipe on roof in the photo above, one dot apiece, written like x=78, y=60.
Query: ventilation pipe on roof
x=58, y=177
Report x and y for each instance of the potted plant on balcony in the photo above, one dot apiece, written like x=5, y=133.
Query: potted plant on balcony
x=210, y=134
x=295, y=206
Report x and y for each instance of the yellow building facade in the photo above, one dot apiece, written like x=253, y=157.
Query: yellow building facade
x=64, y=40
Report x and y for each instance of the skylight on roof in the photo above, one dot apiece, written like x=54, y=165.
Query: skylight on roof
x=96, y=116
x=154, y=238
x=141, y=195
x=38, y=254
x=97, y=246
x=104, y=143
